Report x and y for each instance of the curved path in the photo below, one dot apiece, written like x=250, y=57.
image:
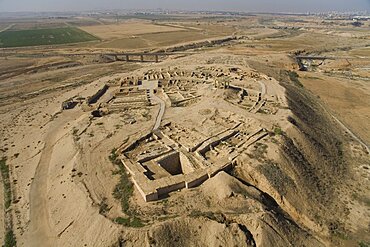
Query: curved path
x=162, y=109
x=263, y=88
x=352, y=134
x=345, y=128
x=6, y=28
x=40, y=232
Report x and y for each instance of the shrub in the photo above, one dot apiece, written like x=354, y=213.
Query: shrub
x=123, y=192
x=364, y=244
x=113, y=155
x=278, y=131
x=103, y=207
x=122, y=221
x=293, y=76
x=6, y=180
x=130, y=222
x=124, y=189
x=10, y=240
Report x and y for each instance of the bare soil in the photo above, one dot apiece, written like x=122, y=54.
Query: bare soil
x=304, y=183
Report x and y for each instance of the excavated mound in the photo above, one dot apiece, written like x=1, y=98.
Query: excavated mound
x=289, y=195
x=290, y=201
x=221, y=186
x=268, y=225
x=197, y=232
x=313, y=168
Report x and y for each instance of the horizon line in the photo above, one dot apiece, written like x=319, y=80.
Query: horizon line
x=195, y=11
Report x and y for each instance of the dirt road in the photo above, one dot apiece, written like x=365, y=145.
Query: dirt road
x=8, y=27
x=40, y=231
x=263, y=88
x=358, y=139
x=162, y=109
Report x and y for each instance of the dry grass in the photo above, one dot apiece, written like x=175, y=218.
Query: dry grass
x=6, y=183
x=114, y=31
x=156, y=40
x=346, y=100
x=303, y=168
x=126, y=43
x=297, y=40
x=362, y=52
x=144, y=35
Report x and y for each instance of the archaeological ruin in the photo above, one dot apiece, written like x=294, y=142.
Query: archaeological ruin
x=174, y=155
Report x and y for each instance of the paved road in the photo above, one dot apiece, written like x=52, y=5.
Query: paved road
x=162, y=109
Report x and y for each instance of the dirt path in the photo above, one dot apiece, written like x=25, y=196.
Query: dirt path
x=161, y=110
x=40, y=231
x=352, y=134
x=263, y=88
x=8, y=27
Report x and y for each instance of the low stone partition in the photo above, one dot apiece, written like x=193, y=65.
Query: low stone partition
x=249, y=136
x=175, y=161
x=178, y=102
x=259, y=98
x=213, y=170
x=170, y=184
x=169, y=151
x=254, y=139
x=93, y=99
x=146, y=190
x=259, y=106
x=198, y=145
x=133, y=168
x=205, y=147
x=121, y=106
x=152, y=190
x=195, y=179
x=135, y=143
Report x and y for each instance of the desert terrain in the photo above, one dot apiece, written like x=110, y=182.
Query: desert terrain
x=185, y=130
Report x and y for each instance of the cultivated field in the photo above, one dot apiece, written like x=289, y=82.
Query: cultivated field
x=128, y=29
x=49, y=36
x=229, y=139
x=154, y=40
x=146, y=35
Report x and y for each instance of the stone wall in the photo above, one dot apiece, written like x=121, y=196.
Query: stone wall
x=185, y=164
x=93, y=99
x=171, y=163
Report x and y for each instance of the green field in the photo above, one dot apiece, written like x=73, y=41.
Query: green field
x=50, y=36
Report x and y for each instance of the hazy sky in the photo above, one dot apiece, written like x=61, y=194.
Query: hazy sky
x=238, y=5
